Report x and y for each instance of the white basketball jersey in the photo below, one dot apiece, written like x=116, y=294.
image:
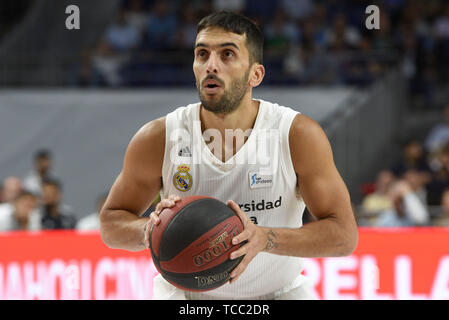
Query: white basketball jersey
x=260, y=178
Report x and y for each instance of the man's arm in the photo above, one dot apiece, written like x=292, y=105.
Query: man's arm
x=134, y=189
x=334, y=233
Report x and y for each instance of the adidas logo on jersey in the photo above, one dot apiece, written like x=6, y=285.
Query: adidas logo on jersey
x=261, y=206
x=184, y=152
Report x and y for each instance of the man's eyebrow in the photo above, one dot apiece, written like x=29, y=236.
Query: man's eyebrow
x=225, y=44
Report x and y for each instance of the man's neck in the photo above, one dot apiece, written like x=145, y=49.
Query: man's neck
x=234, y=128
x=242, y=118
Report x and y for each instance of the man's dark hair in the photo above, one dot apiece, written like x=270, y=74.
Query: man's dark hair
x=42, y=154
x=238, y=24
x=53, y=182
x=24, y=193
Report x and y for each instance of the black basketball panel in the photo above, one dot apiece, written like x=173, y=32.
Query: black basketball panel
x=204, y=280
x=190, y=223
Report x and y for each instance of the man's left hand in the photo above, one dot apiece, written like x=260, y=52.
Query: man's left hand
x=255, y=236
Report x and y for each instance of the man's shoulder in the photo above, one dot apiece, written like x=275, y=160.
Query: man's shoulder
x=157, y=127
x=150, y=134
x=153, y=127
x=6, y=216
x=304, y=127
x=5, y=208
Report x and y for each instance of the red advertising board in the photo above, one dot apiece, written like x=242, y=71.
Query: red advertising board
x=387, y=264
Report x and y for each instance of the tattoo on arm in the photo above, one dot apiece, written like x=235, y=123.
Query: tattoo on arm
x=271, y=241
x=142, y=243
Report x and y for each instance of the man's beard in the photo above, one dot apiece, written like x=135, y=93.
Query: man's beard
x=231, y=98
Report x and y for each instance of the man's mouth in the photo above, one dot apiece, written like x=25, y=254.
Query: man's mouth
x=211, y=86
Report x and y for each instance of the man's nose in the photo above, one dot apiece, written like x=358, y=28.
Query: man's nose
x=212, y=64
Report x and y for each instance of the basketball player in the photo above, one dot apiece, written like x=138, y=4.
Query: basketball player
x=269, y=196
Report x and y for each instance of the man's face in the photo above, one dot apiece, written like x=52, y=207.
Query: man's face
x=51, y=194
x=25, y=205
x=221, y=67
x=43, y=165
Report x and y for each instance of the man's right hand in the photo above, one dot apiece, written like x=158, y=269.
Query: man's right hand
x=154, y=216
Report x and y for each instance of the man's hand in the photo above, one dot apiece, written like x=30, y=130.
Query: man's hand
x=154, y=216
x=258, y=239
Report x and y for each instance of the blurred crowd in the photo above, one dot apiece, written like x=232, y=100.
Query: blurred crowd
x=35, y=201
x=415, y=190
x=150, y=43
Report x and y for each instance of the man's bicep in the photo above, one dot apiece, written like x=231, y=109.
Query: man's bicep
x=324, y=194
x=319, y=181
x=132, y=195
x=140, y=179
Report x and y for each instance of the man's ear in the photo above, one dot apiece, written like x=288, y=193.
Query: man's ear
x=257, y=75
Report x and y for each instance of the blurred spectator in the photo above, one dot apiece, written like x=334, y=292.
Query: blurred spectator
x=161, y=29
x=228, y=5
x=122, y=36
x=186, y=31
x=108, y=63
x=407, y=209
x=85, y=74
x=417, y=181
x=55, y=215
x=439, y=164
x=92, y=221
x=441, y=27
x=297, y=9
x=443, y=219
x=20, y=214
x=383, y=38
x=137, y=15
x=120, y=39
x=11, y=187
x=342, y=34
x=378, y=201
x=280, y=34
x=413, y=157
x=42, y=170
x=261, y=10
x=439, y=134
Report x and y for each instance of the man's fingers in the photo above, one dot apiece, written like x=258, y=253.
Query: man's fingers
x=167, y=203
x=154, y=217
x=242, y=236
x=235, y=274
x=238, y=253
x=164, y=203
x=174, y=197
x=234, y=206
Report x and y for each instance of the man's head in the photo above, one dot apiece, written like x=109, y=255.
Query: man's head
x=42, y=161
x=413, y=150
x=24, y=204
x=228, y=60
x=12, y=186
x=51, y=192
x=445, y=201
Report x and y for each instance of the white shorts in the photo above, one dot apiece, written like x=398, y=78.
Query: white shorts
x=300, y=289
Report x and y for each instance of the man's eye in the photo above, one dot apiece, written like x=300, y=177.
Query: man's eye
x=202, y=53
x=228, y=54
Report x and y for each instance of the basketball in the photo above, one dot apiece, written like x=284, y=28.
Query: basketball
x=191, y=245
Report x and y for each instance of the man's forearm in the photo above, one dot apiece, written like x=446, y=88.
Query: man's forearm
x=123, y=230
x=322, y=238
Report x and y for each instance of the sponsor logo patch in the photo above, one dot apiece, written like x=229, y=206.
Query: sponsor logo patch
x=259, y=180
